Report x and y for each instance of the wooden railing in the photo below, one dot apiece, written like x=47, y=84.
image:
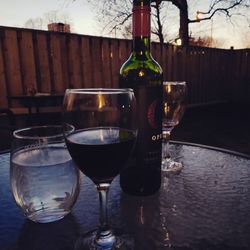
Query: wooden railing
x=51, y=62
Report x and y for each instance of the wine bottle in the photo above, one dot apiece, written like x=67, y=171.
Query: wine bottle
x=141, y=72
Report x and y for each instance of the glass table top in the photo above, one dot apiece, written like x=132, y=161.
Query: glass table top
x=206, y=206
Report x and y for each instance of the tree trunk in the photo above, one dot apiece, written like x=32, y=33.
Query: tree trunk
x=183, y=31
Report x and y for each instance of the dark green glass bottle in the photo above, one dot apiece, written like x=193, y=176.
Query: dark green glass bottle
x=142, y=73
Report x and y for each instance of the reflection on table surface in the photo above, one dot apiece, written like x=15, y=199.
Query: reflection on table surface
x=206, y=206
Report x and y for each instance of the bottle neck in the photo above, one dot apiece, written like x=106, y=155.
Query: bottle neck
x=141, y=28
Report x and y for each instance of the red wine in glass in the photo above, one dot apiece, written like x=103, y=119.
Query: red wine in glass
x=100, y=153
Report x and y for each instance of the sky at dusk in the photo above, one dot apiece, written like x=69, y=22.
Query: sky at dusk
x=82, y=17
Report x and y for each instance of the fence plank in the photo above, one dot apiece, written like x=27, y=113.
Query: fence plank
x=125, y=50
x=157, y=52
x=3, y=86
x=106, y=63
x=86, y=62
x=12, y=63
x=27, y=60
x=42, y=53
x=74, y=63
x=64, y=41
x=198, y=88
x=164, y=62
x=243, y=75
x=192, y=73
x=248, y=75
x=115, y=63
x=96, y=61
x=56, y=58
x=170, y=59
x=205, y=79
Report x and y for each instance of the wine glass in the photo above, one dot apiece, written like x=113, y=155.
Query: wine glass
x=174, y=97
x=105, y=133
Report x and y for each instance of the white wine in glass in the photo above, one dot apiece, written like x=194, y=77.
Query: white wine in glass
x=174, y=100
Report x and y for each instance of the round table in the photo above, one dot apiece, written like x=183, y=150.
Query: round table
x=205, y=206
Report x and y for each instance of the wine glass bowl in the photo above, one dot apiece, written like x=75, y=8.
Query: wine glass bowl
x=174, y=103
x=105, y=132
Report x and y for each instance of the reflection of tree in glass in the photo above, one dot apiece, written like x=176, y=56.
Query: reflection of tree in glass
x=64, y=201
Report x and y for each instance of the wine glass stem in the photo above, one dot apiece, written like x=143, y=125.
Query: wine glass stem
x=166, y=138
x=104, y=229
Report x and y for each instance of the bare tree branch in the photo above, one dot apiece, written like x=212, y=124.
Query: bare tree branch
x=214, y=9
x=116, y=14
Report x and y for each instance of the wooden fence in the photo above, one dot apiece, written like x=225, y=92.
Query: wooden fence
x=51, y=62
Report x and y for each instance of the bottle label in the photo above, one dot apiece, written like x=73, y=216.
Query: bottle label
x=148, y=148
x=141, y=21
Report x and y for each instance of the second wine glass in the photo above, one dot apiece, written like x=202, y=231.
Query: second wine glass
x=174, y=99
x=103, y=139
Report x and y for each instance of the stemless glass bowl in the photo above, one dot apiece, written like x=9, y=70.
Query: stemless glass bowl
x=44, y=180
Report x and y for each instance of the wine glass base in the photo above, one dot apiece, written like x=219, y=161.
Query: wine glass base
x=113, y=241
x=170, y=166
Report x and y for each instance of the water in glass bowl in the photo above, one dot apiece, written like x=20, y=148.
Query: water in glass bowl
x=44, y=182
